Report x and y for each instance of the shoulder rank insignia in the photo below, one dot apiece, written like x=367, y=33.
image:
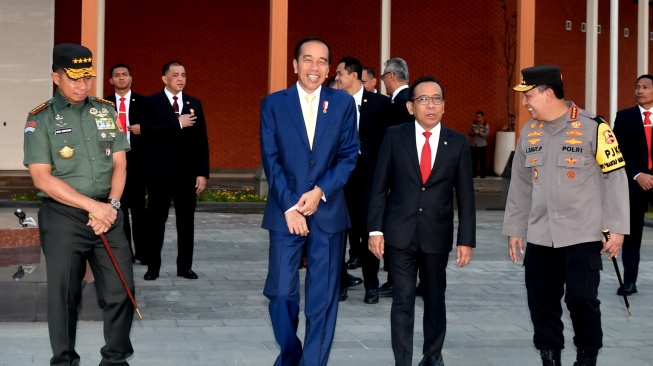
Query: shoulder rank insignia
x=573, y=112
x=39, y=108
x=104, y=101
x=608, y=154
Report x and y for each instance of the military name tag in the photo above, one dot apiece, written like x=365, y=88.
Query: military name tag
x=63, y=130
x=105, y=123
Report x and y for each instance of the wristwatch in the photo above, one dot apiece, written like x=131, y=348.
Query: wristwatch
x=115, y=203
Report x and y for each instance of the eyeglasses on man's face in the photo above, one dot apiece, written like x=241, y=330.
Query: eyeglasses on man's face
x=424, y=100
x=384, y=75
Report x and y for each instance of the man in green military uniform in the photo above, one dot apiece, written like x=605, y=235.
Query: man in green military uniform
x=567, y=185
x=75, y=153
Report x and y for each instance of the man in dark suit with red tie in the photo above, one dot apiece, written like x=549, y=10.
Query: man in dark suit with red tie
x=633, y=129
x=177, y=166
x=374, y=112
x=308, y=148
x=129, y=106
x=422, y=165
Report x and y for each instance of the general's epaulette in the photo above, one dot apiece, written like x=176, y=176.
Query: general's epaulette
x=39, y=108
x=104, y=101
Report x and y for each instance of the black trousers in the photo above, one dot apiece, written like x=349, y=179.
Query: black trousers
x=161, y=192
x=479, y=158
x=639, y=200
x=571, y=271
x=67, y=244
x=133, y=202
x=404, y=264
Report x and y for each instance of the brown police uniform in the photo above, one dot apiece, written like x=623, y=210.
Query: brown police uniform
x=566, y=186
x=78, y=141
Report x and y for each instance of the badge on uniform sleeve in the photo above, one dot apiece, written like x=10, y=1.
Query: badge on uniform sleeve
x=608, y=154
x=108, y=151
x=66, y=152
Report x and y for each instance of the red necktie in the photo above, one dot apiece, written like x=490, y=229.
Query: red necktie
x=122, y=115
x=425, y=163
x=175, y=106
x=648, y=129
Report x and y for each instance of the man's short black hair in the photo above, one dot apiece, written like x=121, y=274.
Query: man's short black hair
x=114, y=67
x=298, y=48
x=481, y=113
x=370, y=72
x=645, y=76
x=558, y=89
x=167, y=66
x=352, y=65
x=423, y=79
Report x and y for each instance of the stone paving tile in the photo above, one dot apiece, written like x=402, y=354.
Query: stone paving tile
x=222, y=318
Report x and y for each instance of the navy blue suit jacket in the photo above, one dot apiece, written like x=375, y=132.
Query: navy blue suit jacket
x=293, y=169
x=423, y=211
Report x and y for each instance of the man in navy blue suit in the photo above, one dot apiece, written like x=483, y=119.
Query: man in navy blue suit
x=309, y=147
x=633, y=130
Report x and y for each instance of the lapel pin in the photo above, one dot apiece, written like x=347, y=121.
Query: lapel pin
x=364, y=100
x=445, y=142
x=325, y=106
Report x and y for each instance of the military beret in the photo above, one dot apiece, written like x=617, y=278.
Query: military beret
x=538, y=75
x=75, y=59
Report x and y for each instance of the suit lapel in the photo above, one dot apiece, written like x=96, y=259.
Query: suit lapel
x=410, y=144
x=294, y=110
x=364, y=111
x=322, y=117
x=443, y=146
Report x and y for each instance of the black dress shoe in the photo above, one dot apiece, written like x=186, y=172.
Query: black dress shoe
x=187, y=274
x=550, y=357
x=385, y=290
x=343, y=294
x=151, y=275
x=354, y=263
x=353, y=280
x=628, y=289
x=371, y=296
x=431, y=361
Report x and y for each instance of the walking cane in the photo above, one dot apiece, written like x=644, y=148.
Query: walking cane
x=115, y=265
x=606, y=234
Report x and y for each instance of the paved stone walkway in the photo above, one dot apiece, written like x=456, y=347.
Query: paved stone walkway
x=222, y=318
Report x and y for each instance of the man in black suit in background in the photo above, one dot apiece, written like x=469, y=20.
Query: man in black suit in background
x=423, y=165
x=129, y=106
x=633, y=130
x=395, y=79
x=177, y=166
x=374, y=111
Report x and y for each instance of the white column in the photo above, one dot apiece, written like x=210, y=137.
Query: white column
x=642, y=37
x=614, y=59
x=386, y=10
x=591, y=46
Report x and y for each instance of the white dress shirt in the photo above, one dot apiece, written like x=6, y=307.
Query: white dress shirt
x=127, y=102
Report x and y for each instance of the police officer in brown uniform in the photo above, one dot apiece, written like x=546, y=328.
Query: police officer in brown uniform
x=567, y=185
x=75, y=153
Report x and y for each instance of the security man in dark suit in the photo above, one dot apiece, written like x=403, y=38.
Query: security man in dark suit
x=374, y=112
x=423, y=165
x=129, y=107
x=75, y=153
x=633, y=129
x=395, y=79
x=176, y=162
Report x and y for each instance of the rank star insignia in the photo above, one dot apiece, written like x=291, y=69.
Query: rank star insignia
x=535, y=133
x=576, y=124
x=66, y=152
x=575, y=133
x=533, y=141
x=541, y=125
x=571, y=174
x=533, y=125
x=573, y=141
x=571, y=161
x=573, y=112
x=533, y=160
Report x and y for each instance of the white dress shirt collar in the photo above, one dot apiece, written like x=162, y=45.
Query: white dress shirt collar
x=394, y=94
x=434, y=140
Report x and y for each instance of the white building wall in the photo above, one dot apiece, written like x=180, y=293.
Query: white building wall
x=26, y=41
